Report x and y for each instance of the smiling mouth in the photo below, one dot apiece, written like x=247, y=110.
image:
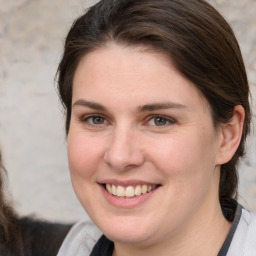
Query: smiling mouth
x=129, y=191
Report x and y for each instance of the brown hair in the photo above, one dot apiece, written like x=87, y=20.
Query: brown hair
x=198, y=40
x=8, y=230
x=26, y=236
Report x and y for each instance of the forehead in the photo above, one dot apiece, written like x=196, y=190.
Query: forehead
x=113, y=59
x=120, y=53
x=133, y=70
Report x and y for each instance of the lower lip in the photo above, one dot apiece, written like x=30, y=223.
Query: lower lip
x=127, y=202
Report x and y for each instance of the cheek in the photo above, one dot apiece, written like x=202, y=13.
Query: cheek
x=172, y=154
x=83, y=155
x=84, y=159
x=185, y=159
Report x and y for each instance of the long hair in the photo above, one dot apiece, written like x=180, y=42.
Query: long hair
x=198, y=40
x=26, y=236
x=9, y=234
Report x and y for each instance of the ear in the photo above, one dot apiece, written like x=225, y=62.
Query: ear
x=230, y=136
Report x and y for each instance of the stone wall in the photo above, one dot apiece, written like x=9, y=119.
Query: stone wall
x=31, y=123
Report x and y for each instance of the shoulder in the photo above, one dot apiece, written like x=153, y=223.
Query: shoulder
x=80, y=239
x=31, y=236
x=40, y=237
x=244, y=240
x=250, y=236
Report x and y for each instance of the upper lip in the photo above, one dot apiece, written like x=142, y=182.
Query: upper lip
x=127, y=182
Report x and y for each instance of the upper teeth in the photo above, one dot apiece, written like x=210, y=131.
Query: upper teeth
x=129, y=191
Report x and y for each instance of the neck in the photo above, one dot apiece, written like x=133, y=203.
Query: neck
x=192, y=240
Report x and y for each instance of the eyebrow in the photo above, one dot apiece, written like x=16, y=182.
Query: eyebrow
x=159, y=106
x=89, y=104
x=143, y=108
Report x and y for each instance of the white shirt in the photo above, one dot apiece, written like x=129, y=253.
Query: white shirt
x=244, y=239
x=80, y=239
x=83, y=236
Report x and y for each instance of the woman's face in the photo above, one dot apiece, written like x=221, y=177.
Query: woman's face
x=142, y=148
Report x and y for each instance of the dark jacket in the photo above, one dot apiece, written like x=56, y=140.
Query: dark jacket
x=34, y=237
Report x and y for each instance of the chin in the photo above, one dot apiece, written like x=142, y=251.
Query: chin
x=127, y=233
x=135, y=239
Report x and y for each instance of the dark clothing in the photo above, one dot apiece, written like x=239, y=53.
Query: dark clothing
x=103, y=247
x=235, y=217
x=34, y=238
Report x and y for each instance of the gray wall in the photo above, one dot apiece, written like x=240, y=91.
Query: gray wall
x=31, y=123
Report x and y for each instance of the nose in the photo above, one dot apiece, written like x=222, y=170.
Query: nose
x=124, y=151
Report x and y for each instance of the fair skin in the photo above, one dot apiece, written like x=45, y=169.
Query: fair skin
x=138, y=124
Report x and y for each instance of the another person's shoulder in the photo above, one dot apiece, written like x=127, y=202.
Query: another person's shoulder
x=29, y=236
x=42, y=238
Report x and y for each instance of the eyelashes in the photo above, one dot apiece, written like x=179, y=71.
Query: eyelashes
x=97, y=121
x=94, y=120
x=160, y=121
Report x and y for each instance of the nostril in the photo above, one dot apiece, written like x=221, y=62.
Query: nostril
x=124, y=158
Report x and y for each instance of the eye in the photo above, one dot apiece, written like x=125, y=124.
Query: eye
x=160, y=121
x=94, y=120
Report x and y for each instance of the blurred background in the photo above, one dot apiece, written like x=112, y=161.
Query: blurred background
x=32, y=138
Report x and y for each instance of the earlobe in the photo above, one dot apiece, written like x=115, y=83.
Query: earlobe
x=230, y=135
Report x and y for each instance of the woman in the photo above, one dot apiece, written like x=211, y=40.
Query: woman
x=26, y=236
x=157, y=113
